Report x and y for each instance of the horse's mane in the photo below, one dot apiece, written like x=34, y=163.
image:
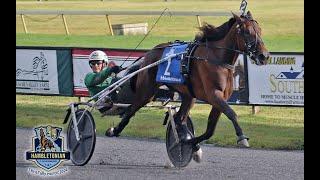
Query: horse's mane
x=212, y=33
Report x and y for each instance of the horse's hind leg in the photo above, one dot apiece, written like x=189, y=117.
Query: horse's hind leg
x=144, y=95
x=128, y=114
x=180, y=118
x=182, y=115
x=211, y=126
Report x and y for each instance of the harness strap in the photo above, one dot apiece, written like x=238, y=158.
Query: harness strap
x=171, y=44
x=186, y=72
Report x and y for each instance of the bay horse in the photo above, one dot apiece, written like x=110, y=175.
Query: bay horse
x=210, y=78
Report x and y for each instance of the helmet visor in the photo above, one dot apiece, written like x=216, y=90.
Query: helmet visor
x=93, y=63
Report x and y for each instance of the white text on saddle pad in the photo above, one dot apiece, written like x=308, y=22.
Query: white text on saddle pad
x=169, y=71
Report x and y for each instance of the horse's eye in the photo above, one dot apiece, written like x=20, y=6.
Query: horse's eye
x=246, y=32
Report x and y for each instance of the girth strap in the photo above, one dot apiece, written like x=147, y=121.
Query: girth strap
x=186, y=66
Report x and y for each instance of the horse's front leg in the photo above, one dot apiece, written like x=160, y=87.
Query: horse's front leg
x=220, y=105
x=142, y=96
x=181, y=122
x=224, y=107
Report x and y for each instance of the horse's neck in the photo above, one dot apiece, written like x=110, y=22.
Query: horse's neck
x=228, y=42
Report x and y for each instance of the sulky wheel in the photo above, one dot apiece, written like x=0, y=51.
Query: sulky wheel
x=82, y=150
x=179, y=154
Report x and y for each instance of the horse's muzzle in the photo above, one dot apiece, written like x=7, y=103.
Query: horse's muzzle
x=262, y=58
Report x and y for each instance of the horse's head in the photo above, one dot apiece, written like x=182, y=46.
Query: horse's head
x=249, y=38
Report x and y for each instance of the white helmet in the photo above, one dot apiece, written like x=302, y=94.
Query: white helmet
x=98, y=56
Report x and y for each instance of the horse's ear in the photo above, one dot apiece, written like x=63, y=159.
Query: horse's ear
x=249, y=15
x=236, y=17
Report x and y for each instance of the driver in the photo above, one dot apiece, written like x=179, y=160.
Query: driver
x=100, y=77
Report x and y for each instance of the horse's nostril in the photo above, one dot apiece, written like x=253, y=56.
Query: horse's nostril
x=261, y=57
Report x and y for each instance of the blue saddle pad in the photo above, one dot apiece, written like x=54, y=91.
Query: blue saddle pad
x=169, y=71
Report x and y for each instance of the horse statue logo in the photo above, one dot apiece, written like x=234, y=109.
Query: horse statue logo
x=48, y=138
x=48, y=148
x=45, y=142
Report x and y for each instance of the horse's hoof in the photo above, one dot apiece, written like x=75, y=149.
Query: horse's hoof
x=168, y=164
x=197, y=156
x=244, y=143
x=110, y=132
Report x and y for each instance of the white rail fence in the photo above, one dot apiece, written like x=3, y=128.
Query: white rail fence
x=62, y=13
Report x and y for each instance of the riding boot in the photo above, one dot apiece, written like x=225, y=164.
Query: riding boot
x=104, y=105
x=103, y=110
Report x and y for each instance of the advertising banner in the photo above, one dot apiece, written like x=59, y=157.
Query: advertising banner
x=280, y=82
x=36, y=71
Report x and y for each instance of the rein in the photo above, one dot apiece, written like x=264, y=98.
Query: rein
x=225, y=65
x=229, y=49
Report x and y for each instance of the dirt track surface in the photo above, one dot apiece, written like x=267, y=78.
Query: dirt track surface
x=131, y=158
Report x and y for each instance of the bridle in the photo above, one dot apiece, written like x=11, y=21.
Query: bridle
x=249, y=43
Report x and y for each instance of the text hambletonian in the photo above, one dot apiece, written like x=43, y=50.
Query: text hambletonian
x=164, y=78
x=48, y=156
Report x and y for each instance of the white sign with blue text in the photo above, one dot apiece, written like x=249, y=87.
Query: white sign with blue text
x=280, y=82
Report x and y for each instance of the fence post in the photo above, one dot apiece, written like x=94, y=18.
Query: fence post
x=198, y=19
x=65, y=24
x=24, y=24
x=109, y=24
x=80, y=99
x=255, y=109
